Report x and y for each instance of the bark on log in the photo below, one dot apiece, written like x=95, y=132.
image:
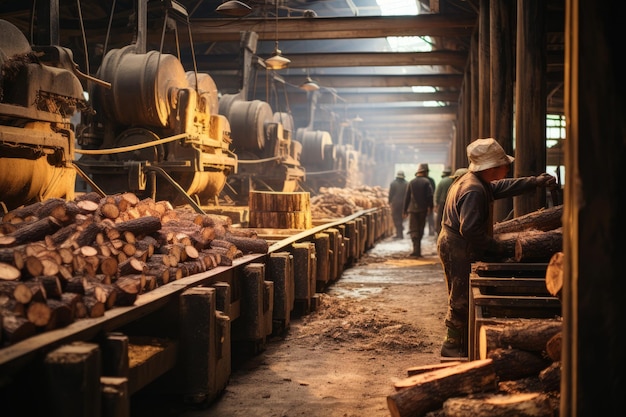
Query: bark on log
x=248, y=244
x=532, y=404
x=15, y=328
x=416, y=370
x=553, y=347
x=531, y=335
x=551, y=377
x=544, y=220
x=140, y=226
x=32, y=232
x=512, y=364
x=538, y=247
x=554, y=274
x=426, y=392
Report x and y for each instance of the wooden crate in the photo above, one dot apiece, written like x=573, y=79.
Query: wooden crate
x=501, y=291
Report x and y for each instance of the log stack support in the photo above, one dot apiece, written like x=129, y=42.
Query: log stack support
x=198, y=297
x=504, y=291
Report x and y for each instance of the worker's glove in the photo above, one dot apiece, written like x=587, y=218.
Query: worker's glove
x=545, y=180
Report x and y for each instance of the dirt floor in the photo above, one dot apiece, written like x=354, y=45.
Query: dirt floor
x=384, y=315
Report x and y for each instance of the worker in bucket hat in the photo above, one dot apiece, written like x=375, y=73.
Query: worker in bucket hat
x=467, y=229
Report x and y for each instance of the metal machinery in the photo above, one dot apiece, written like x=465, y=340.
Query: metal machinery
x=156, y=131
x=329, y=164
x=39, y=92
x=268, y=157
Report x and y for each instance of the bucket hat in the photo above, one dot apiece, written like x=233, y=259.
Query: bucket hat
x=400, y=174
x=422, y=168
x=486, y=153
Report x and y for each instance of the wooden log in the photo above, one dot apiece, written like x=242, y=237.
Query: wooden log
x=51, y=284
x=38, y=313
x=128, y=288
x=8, y=272
x=419, y=394
x=416, y=370
x=61, y=314
x=23, y=291
x=551, y=377
x=512, y=364
x=140, y=226
x=538, y=247
x=94, y=307
x=248, y=244
x=554, y=346
x=87, y=236
x=530, y=335
x=554, y=274
x=15, y=327
x=543, y=219
x=31, y=232
x=532, y=404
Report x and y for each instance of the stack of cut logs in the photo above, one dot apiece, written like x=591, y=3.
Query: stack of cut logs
x=333, y=202
x=518, y=372
x=533, y=237
x=65, y=260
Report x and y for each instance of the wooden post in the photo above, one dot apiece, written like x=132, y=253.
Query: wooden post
x=73, y=380
x=198, y=345
x=280, y=272
x=115, y=397
x=322, y=253
x=302, y=275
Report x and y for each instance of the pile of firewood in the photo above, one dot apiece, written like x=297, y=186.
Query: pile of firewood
x=336, y=202
x=518, y=374
x=66, y=260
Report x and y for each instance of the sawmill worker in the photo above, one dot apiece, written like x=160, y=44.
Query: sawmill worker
x=397, y=191
x=418, y=202
x=467, y=229
x=441, y=191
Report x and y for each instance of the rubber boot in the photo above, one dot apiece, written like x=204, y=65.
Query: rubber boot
x=417, y=248
x=453, y=346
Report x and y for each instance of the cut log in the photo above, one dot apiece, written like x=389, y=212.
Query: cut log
x=539, y=247
x=15, y=328
x=554, y=274
x=8, y=272
x=512, y=364
x=531, y=335
x=426, y=392
x=23, y=291
x=248, y=244
x=31, y=232
x=551, y=377
x=416, y=370
x=531, y=404
x=38, y=313
x=544, y=220
x=553, y=347
x=140, y=226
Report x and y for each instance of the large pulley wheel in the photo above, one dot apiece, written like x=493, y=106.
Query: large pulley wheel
x=247, y=124
x=138, y=139
x=314, y=146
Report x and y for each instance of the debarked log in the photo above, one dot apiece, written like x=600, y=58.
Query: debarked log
x=426, y=392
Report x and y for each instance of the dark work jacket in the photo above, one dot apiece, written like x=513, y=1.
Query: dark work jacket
x=397, y=190
x=419, y=195
x=468, y=212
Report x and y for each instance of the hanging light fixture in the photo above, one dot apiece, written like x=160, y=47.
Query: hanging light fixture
x=234, y=8
x=276, y=61
x=309, y=85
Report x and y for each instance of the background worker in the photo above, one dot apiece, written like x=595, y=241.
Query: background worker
x=418, y=202
x=397, y=191
x=467, y=229
x=441, y=190
x=430, y=217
